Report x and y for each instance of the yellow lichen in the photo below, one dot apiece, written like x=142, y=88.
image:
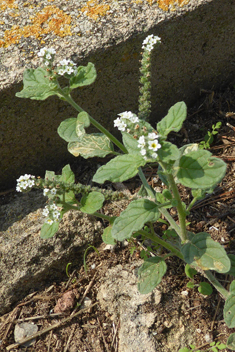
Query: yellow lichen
x=93, y=9
x=166, y=4
x=8, y=4
x=50, y=19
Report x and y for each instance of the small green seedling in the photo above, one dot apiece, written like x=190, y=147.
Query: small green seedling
x=204, y=287
x=208, y=139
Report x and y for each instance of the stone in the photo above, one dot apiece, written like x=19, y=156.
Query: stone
x=197, y=52
x=27, y=261
x=25, y=330
x=119, y=295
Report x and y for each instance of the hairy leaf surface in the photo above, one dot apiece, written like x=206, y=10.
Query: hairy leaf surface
x=90, y=145
x=119, y=169
x=173, y=121
x=150, y=274
x=134, y=217
x=205, y=253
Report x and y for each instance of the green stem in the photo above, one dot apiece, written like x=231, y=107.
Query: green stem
x=208, y=274
x=70, y=100
x=103, y=216
x=158, y=240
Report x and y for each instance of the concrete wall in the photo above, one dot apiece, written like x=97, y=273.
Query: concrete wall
x=197, y=51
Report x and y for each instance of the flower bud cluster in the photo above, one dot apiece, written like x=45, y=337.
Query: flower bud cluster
x=126, y=121
x=65, y=67
x=52, y=213
x=47, y=55
x=149, y=145
x=150, y=41
x=25, y=183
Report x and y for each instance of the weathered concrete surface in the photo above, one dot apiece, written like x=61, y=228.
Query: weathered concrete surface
x=197, y=51
x=27, y=261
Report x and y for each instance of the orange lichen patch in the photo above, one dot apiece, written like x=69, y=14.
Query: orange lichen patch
x=94, y=10
x=165, y=4
x=8, y=4
x=50, y=19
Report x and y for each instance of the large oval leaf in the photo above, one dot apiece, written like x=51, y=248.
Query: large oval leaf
x=37, y=85
x=134, y=217
x=48, y=231
x=90, y=145
x=85, y=75
x=198, y=169
x=229, y=311
x=119, y=169
x=205, y=253
x=67, y=130
x=173, y=121
x=150, y=274
x=92, y=202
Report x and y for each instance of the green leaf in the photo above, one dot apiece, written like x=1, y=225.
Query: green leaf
x=190, y=272
x=173, y=121
x=150, y=274
x=37, y=85
x=232, y=269
x=134, y=217
x=202, y=251
x=198, y=169
x=232, y=287
x=67, y=175
x=107, y=236
x=190, y=284
x=168, y=152
x=85, y=76
x=229, y=311
x=130, y=143
x=82, y=121
x=67, y=130
x=92, y=202
x=90, y=145
x=231, y=342
x=119, y=169
x=205, y=288
x=48, y=231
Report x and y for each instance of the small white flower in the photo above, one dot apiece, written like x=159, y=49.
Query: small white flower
x=64, y=62
x=141, y=142
x=152, y=136
x=121, y=125
x=45, y=211
x=53, y=206
x=45, y=191
x=46, y=63
x=42, y=52
x=48, y=56
x=49, y=221
x=143, y=152
x=51, y=51
x=56, y=214
x=154, y=145
x=69, y=70
x=154, y=156
x=61, y=71
x=150, y=41
x=53, y=191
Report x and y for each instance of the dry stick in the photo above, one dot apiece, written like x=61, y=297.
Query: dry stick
x=65, y=320
x=49, y=343
x=102, y=334
x=53, y=315
x=115, y=333
x=69, y=339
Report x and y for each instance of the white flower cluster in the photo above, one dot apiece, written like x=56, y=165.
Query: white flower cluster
x=25, y=183
x=149, y=145
x=47, y=190
x=67, y=66
x=47, y=55
x=125, y=120
x=52, y=213
x=150, y=41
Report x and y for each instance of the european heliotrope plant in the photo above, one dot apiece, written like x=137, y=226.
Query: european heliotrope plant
x=141, y=144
